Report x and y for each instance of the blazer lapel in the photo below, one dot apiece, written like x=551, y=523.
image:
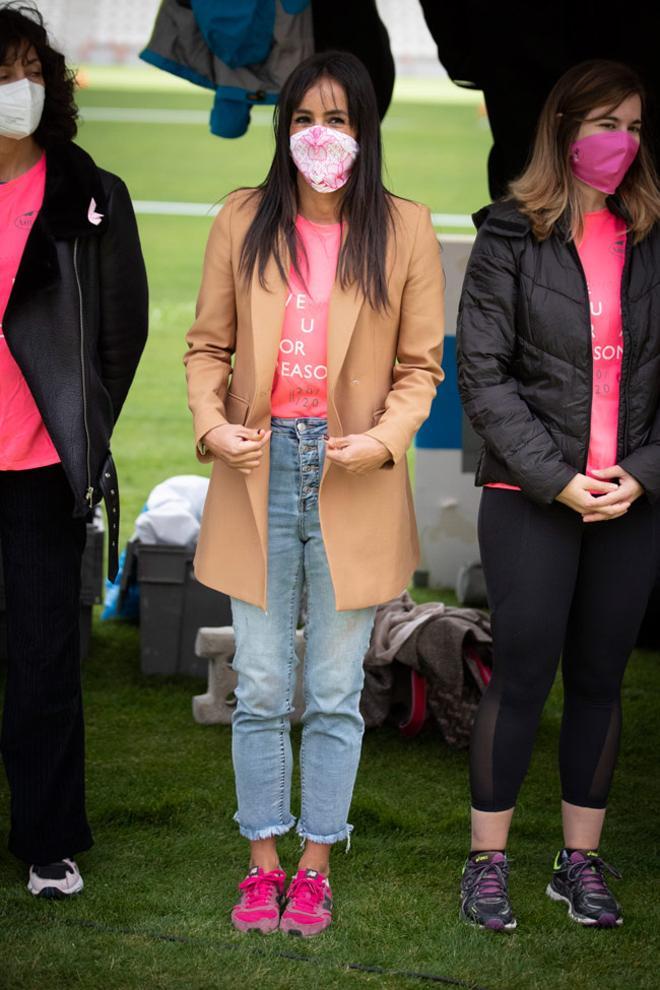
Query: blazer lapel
x=345, y=306
x=267, y=313
x=73, y=183
x=39, y=267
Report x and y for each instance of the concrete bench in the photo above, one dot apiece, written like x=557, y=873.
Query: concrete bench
x=216, y=706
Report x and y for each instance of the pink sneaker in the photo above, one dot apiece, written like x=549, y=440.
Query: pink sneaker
x=308, y=908
x=258, y=907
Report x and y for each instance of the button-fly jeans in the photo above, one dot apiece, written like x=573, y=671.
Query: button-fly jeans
x=266, y=661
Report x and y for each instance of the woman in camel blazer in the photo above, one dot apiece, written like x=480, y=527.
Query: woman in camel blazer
x=307, y=417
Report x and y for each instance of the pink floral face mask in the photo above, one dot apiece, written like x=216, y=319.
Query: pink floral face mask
x=324, y=156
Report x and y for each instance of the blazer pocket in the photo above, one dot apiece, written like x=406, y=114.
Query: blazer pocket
x=236, y=409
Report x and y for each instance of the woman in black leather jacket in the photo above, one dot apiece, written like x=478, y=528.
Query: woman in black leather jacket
x=559, y=372
x=73, y=308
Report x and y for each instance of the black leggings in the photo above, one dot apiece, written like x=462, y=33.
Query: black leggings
x=557, y=586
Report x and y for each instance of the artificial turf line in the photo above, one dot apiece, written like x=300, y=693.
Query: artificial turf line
x=291, y=956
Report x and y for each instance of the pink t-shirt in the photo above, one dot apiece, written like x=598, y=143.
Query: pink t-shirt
x=602, y=253
x=24, y=440
x=300, y=382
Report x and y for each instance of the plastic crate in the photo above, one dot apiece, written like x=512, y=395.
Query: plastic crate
x=173, y=606
x=91, y=587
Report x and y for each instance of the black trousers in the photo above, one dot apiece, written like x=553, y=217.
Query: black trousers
x=42, y=740
x=557, y=587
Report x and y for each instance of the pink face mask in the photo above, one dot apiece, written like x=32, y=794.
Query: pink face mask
x=602, y=160
x=324, y=156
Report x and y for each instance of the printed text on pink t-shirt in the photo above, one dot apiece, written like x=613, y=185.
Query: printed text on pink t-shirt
x=300, y=382
x=602, y=253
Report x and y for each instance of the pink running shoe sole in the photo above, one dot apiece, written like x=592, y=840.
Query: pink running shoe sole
x=304, y=928
x=263, y=925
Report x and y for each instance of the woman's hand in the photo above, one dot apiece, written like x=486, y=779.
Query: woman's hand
x=237, y=446
x=577, y=496
x=357, y=453
x=628, y=489
x=614, y=501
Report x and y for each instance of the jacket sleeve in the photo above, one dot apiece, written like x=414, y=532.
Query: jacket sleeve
x=418, y=370
x=124, y=300
x=644, y=463
x=486, y=342
x=211, y=339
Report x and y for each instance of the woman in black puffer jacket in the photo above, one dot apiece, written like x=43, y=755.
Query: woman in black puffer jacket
x=559, y=372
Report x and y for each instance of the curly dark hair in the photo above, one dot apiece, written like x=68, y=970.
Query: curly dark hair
x=21, y=26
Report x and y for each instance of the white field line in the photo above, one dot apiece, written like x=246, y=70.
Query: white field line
x=161, y=208
x=259, y=117
x=143, y=115
x=164, y=208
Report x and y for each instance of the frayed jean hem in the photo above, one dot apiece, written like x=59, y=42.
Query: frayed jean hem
x=270, y=832
x=344, y=835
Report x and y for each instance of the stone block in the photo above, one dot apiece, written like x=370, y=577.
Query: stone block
x=216, y=706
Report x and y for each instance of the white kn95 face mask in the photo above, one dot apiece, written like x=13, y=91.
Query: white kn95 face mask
x=21, y=107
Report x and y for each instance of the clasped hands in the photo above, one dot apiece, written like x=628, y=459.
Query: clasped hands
x=242, y=448
x=619, y=490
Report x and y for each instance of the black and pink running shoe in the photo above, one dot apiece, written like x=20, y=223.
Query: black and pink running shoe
x=578, y=880
x=485, y=892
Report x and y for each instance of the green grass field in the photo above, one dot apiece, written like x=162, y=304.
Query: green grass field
x=161, y=878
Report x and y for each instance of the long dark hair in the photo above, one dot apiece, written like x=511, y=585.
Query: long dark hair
x=365, y=206
x=22, y=25
x=546, y=189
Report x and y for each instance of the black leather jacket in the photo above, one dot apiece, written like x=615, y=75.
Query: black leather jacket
x=525, y=356
x=76, y=321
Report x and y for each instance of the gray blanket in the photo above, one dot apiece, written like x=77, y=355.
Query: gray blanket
x=429, y=638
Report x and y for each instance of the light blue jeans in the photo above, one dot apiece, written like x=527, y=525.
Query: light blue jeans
x=265, y=661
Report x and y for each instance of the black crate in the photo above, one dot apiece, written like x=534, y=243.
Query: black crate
x=173, y=606
x=91, y=588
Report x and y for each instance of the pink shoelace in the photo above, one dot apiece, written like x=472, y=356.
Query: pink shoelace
x=307, y=892
x=258, y=889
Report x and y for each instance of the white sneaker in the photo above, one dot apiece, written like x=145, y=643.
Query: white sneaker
x=56, y=880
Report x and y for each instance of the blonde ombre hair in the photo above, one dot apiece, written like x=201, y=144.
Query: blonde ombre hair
x=546, y=190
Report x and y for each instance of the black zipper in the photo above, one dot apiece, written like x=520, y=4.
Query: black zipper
x=574, y=251
x=89, y=494
x=627, y=353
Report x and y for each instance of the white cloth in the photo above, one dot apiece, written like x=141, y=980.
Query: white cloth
x=173, y=511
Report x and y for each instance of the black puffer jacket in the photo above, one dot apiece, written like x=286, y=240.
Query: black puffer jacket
x=525, y=356
x=76, y=321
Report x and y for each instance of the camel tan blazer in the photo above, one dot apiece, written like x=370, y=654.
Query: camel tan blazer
x=383, y=369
